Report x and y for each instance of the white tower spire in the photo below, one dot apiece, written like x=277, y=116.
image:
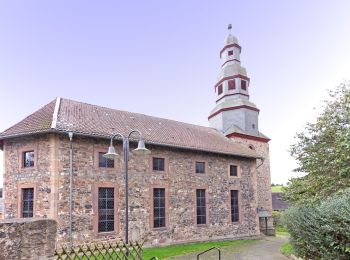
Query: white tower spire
x=233, y=108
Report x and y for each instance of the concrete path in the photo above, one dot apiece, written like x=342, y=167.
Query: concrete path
x=267, y=248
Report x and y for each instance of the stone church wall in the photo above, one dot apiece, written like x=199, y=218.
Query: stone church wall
x=263, y=176
x=51, y=181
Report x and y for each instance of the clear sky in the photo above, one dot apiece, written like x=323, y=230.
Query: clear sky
x=162, y=57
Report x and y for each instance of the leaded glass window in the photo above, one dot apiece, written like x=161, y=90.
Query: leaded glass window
x=158, y=207
x=104, y=162
x=201, y=207
x=28, y=159
x=158, y=164
x=105, y=209
x=27, y=202
x=200, y=167
x=234, y=206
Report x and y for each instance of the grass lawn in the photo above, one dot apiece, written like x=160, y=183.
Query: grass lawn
x=177, y=250
x=286, y=249
x=276, y=188
x=281, y=231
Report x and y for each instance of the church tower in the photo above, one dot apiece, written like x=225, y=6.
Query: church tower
x=238, y=119
x=234, y=112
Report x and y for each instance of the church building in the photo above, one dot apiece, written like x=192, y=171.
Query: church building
x=197, y=184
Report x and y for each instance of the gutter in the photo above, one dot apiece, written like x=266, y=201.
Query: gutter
x=149, y=142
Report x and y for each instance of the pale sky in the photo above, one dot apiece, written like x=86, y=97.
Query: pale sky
x=161, y=58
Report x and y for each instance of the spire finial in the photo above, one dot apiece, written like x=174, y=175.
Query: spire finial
x=229, y=27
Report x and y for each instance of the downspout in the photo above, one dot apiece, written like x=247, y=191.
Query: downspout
x=70, y=134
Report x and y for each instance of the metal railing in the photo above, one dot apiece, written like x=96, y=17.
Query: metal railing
x=210, y=249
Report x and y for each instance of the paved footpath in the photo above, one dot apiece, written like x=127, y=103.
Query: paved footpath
x=267, y=248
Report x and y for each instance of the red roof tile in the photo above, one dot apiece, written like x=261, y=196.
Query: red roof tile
x=38, y=122
x=92, y=120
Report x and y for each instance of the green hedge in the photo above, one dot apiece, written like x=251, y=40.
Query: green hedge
x=321, y=231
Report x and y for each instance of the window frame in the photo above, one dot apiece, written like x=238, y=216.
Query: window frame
x=21, y=151
x=230, y=53
x=95, y=201
x=102, y=149
x=245, y=85
x=106, y=166
x=159, y=159
x=220, y=89
x=105, y=209
x=238, y=206
x=206, y=206
x=234, y=84
x=205, y=167
x=167, y=204
x=26, y=200
x=20, y=187
x=166, y=160
x=154, y=207
x=238, y=170
x=24, y=159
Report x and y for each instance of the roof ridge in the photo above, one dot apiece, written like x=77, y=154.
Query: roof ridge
x=156, y=117
x=55, y=113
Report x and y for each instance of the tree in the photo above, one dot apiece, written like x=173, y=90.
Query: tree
x=322, y=151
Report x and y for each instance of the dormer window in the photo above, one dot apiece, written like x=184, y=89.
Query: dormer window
x=230, y=53
x=220, y=89
x=231, y=85
x=243, y=85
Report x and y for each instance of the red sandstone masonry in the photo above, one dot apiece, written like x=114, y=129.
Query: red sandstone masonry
x=180, y=182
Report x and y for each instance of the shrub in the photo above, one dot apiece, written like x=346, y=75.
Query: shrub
x=277, y=219
x=321, y=231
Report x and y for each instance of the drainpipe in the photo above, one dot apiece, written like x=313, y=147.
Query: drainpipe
x=70, y=134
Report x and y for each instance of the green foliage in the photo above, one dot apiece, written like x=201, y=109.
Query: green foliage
x=177, y=250
x=322, y=151
x=286, y=249
x=277, y=219
x=277, y=188
x=321, y=231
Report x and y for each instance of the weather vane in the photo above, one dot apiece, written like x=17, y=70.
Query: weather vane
x=229, y=27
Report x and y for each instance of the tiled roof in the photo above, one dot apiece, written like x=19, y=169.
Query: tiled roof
x=92, y=120
x=38, y=122
x=277, y=201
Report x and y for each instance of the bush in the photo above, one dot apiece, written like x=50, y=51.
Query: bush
x=321, y=231
x=277, y=219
